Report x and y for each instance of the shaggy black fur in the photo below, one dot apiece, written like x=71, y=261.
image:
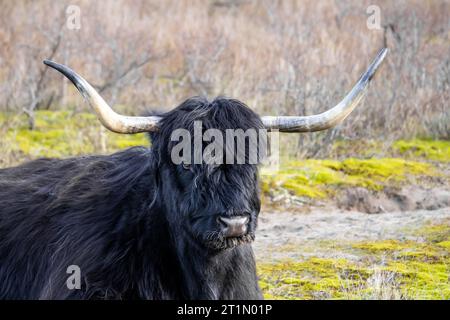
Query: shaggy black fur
x=138, y=226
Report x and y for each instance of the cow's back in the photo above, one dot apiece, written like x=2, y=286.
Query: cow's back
x=55, y=213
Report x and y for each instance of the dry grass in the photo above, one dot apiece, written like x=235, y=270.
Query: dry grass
x=280, y=57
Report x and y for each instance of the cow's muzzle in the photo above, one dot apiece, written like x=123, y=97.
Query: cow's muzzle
x=233, y=227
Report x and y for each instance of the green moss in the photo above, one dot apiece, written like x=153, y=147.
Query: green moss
x=406, y=250
x=322, y=178
x=310, y=279
x=383, y=246
x=444, y=244
x=329, y=279
x=438, y=150
x=303, y=190
x=422, y=280
x=62, y=133
x=435, y=233
x=385, y=269
x=127, y=141
x=384, y=169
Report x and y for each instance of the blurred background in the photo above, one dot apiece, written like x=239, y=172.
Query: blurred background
x=361, y=211
x=279, y=57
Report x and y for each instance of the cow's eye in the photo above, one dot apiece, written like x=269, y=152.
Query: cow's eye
x=186, y=166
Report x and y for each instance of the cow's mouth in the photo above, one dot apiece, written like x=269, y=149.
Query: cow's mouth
x=219, y=242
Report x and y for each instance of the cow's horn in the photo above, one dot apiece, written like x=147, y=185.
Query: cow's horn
x=331, y=117
x=110, y=119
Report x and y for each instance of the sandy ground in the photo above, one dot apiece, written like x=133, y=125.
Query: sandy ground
x=295, y=235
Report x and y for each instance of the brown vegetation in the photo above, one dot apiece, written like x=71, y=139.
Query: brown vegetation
x=280, y=57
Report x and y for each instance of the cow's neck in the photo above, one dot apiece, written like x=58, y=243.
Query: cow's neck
x=211, y=275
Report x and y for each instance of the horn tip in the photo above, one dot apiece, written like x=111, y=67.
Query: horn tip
x=375, y=64
x=49, y=63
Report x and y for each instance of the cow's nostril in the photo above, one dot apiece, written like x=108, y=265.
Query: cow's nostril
x=234, y=226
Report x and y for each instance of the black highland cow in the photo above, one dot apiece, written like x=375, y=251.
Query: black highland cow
x=138, y=225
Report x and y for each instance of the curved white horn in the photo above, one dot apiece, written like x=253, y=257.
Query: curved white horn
x=331, y=117
x=107, y=116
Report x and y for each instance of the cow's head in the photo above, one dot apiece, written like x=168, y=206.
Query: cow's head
x=213, y=197
x=214, y=202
